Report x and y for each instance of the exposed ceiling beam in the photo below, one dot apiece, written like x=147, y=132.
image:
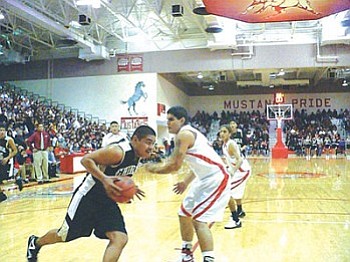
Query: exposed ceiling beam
x=45, y=22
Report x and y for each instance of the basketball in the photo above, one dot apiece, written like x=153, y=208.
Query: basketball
x=128, y=189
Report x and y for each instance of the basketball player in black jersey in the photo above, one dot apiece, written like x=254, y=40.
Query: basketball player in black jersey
x=238, y=136
x=91, y=207
x=8, y=150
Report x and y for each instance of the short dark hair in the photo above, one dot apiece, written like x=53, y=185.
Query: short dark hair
x=179, y=112
x=114, y=122
x=143, y=131
x=3, y=125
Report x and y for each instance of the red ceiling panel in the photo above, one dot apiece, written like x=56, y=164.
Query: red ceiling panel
x=261, y=11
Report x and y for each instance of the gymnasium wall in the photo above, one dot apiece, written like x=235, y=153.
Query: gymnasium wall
x=100, y=96
x=168, y=95
x=281, y=56
x=311, y=102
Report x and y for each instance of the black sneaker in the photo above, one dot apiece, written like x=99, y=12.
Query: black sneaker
x=3, y=197
x=19, y=183
x=241, y=214
x=32, y=249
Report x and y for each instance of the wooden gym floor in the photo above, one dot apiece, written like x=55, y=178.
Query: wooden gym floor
x=297, y=210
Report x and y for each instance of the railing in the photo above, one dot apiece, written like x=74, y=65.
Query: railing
x=49, y=102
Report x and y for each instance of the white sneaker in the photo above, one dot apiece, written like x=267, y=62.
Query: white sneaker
x=233, y=224
x=186, y=256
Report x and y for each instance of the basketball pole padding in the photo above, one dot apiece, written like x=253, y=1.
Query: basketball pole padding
x=279, y=150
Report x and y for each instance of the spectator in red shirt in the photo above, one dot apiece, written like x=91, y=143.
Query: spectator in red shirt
x=39, y=141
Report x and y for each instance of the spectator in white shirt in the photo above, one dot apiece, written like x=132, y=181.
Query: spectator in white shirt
x=114, y=135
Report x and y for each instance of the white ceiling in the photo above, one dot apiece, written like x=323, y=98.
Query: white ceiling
x=46, y=29
x=40, y=28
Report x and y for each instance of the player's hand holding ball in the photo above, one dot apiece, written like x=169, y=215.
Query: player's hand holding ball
x=123, y=190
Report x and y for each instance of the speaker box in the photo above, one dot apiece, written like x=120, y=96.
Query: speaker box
x=331, y=74
x=177, y=10
x=84, y=20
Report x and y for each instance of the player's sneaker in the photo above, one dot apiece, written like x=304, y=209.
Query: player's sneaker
x=3, y=197
x=233, y=224
x=32, y=249
x=208, y=259
x=241, y=214
x=186, y=255
x=19, y=183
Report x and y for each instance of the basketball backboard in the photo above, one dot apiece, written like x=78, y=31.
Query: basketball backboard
x=280, y=112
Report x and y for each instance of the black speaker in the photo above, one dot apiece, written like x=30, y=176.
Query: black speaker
x=177, y=10
x=84, y=20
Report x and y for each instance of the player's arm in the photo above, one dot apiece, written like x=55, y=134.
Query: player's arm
x=111, y=155
x=13, y=151
x=233, y=150
x=184, y=140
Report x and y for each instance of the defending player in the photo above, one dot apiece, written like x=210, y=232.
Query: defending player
x=91, y=207
x=240, y=171
x=208, y=194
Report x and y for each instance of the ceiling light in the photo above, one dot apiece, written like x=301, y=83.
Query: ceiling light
x=345, y=83
x=2, y=16
x=211, y=88
x=93, y=3
x=74, y=24
x=199, y=76
x=200, y=10
x=281, y=72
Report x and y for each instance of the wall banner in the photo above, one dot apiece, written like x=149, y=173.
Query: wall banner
x=123, y=63
x=131, y=123
x=129, y=63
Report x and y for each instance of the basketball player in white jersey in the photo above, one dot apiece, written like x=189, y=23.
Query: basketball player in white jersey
x=240, y=171
x=209, y=192
x=347, y=148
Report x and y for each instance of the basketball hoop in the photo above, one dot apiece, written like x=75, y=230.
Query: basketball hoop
x=279, y=113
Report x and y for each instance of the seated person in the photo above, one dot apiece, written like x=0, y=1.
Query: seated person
x=25, y=162
x=59, y=153
x=52, y=162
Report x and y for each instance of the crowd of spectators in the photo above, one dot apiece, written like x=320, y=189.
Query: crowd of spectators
x=254, y=126
x=314, y=130
x=71, y=133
